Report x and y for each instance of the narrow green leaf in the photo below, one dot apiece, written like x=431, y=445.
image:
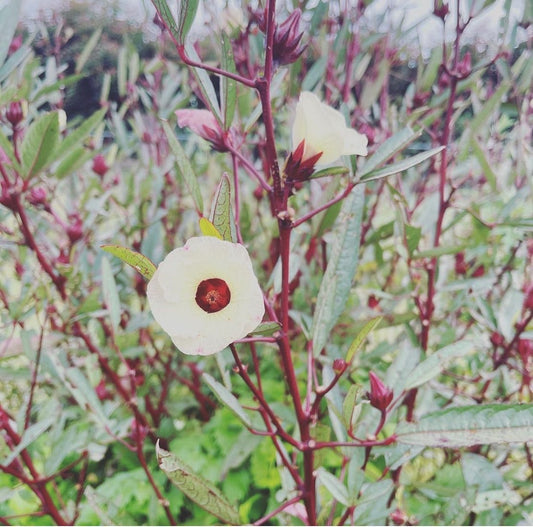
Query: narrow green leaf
x=185, y=167
x=9, y=16
x=77, y=136
x=187, y=14
x=350, y=407
x=227, y=399
x=7, y=147
x=14, y=61
x=168, y=18
x=337, y=281
x=331, y=171
x=489, y=107
x=334, y=485
x=470, y=425
x=205, y=84
x=221, y=212
x=88, y=49
x=402, y=165
x=315, y=74
x=55, y=86
x=412, y=237
x=139, y=262
x=228, y=87
x=389, y=148
x=32, y=433
x=484, y=163
x=208, y=229
x=266, y=328
x=39, y=144
x=196, y=488
x=72, y=161
x=110, y=294
x=437, y=362
x=357, y=342
x=431, y=70
x=122, y=74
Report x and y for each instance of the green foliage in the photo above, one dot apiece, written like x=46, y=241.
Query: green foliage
x=425, y=283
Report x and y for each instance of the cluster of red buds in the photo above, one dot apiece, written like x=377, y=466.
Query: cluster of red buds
x=462, y=266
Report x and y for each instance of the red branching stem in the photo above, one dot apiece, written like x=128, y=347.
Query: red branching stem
x=281, y=508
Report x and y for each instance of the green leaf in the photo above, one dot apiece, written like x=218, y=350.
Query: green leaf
x=337, y=281
x=110, y=293
x=72, y=161
x=14, y=61
x=389, y=148
x=484, y=163
x=437, y=362
x=196, y=488
x=412, y=237
x=331, y=171
x=335, y=487
x=361, y=336
x=350, y=407
x=266, y=328
x=88, y=49
x=39, y=144
x=315, y=74
x=228, y=87
x=9, y=15
x=185, y=167
x=221, y=213
x=32, y=433
x=402, y=165
x=470, y=425
x=139, y=262
x=7, y=147
x=208, y=229
x=227, y=399
x=205, y=84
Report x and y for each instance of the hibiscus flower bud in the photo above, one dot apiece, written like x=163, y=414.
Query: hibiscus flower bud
x=440, y=9
x=287, y=38
x=37, y=196
x=15, y=45
x=497, y=339
x=16, y=112
x=320, y=135
x=99, y=165
x=339, y=365
x=75, y=228
x=204, y=124
x=379, y=395
x=205, y=295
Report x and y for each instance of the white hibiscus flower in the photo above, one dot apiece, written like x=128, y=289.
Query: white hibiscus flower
x=205, y=295
x=324, y=131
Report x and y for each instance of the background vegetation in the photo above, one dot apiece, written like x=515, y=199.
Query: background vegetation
x=89, y=382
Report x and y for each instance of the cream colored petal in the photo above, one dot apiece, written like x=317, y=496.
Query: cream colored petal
x=354, y=143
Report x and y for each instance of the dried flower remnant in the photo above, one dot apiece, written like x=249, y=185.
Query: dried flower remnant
x=205, y=295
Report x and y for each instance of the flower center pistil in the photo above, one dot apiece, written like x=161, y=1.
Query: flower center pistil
x=213, y=295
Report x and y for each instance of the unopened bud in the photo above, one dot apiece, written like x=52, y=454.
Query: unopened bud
x=464, y=67
x=440, y=9
x=16, y=112
x=497, y=339
x=75, y=229
x=37, y=196
x=379, y=395
x=99, y=165
x=287, y=38
x=298, y=169
x=339, y=365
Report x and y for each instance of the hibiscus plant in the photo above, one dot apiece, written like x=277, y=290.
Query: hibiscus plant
x=341, y=335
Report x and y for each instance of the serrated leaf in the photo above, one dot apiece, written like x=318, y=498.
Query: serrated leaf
x=32, y=433
x=110, y=294
x=266, y=328
x=138, y=261
x=221, y=213
x=361, y=336
x=228, y=87
x=208, y=229
x=227, y=399
x=73, y=160
x=9, y=15
x=39, y=144
x=334, y=485
x=470, y=425
x=337, y=281
x=436, y=362
x=401, y=166
x=196, y=488
x=185, y=167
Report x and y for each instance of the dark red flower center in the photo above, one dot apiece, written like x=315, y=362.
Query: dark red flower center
x=213, y=295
